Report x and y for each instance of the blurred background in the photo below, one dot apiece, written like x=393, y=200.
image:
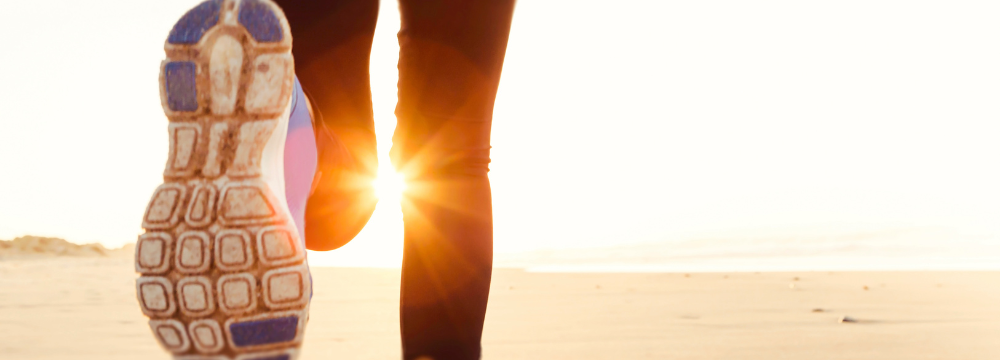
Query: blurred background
x=628, y=136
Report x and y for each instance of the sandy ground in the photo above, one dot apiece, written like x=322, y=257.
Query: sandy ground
x=85, y=308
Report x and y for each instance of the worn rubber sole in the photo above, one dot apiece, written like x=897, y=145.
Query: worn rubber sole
x=223, y=272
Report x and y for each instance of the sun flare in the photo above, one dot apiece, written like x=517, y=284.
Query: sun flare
x=389, y=185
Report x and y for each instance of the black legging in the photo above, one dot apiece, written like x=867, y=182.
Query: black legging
x=451, y=55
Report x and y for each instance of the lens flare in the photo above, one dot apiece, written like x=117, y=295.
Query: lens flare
x=389, y=185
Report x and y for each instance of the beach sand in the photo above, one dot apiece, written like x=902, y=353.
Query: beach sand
x=85, y=308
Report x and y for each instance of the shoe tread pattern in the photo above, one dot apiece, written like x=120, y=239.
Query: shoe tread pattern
x=222, y=271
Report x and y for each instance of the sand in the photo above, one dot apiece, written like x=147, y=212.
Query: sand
x=85, y=308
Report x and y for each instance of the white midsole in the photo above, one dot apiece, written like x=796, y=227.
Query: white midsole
x=272, y=164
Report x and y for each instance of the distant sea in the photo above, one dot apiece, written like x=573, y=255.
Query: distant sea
x=890, y=250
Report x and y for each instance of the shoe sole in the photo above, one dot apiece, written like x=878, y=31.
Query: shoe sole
x=223, y=273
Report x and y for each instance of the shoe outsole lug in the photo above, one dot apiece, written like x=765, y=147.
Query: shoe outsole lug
x=193, y=25
x=163, y=211
x=247, y=202
x=156, y=296
x=180, y=82
x=223, y=272
x=193, y=252
x=279, y=246
x=286, y=287
x=265, y=331
x=206, y=336
x=171, y=334
x=233, y=250
x=237, y=293
x=225, y=68
x=152, y=253
x=184, y=141
x=201, y=209
x=194, y=295
x=273, y=72
x=259, y=19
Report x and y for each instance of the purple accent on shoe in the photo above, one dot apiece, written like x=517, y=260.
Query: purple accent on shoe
x=190, y=28
x=263, y=332
x=300, y=158
x=276, y=357
x=260, y=21
x=182, y=95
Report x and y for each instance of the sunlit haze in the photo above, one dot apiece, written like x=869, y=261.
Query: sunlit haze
x=616, y=123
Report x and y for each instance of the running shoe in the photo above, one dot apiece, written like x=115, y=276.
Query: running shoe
x=223, y=267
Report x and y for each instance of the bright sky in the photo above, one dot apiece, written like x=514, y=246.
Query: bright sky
x=617, y=122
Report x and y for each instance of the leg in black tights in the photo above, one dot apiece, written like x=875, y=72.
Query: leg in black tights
x=451, y=55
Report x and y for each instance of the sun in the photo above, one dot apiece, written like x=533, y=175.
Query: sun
x=389, y=185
